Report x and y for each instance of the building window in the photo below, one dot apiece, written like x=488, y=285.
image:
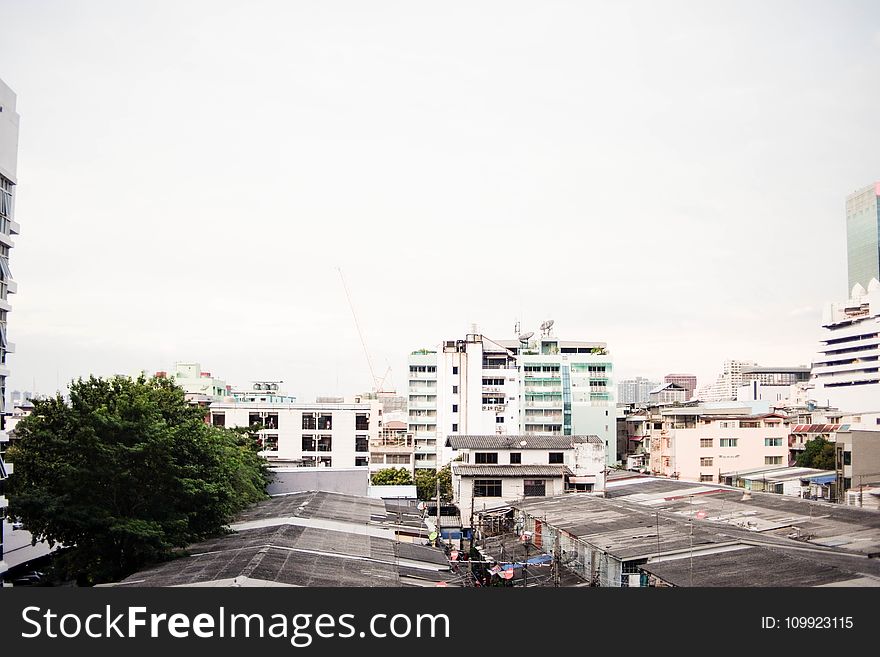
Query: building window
x=534, y=488
x=706, y=442
x=308, y=444
x=360, y=461
x=556, y=457
x=309, y=421
x=270, y=443
x=487, y=488
x=847, y=458
x=325, y=444
x=218, y=419
x=706, y=462
x=309, y=462
x=325, y=423
x=362, y=422
x=515, y=458
x=486, y=457
x=361, y=444
x=254, y=419
x=271, y=421
x=455, y=408
x=772, y=460
x=455, y=369
x=727, y=442
x=454, y=428
x=772, y=442
x=499, y=419
x=705, y=477
x=325, y=461
x=454, y=390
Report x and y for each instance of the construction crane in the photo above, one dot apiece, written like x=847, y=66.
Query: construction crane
x=378, y=384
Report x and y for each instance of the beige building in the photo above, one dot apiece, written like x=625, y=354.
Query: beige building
x=698, y=444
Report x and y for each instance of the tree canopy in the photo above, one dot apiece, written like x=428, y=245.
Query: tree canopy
x=426, y=483
x=392, y=477
x=126, y=472
x=818, y=453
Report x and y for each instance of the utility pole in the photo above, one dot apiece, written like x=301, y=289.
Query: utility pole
x=557, y=555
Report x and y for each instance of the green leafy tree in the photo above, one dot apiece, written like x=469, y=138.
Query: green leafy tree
x=125, y=473
x=426, y=483
x=818, y=453
x=392, y=477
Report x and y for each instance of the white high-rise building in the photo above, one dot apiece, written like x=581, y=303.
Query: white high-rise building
x=728, y=382
x=846, y=371
x=534, y=386
x=8, y=227
x=635, y=391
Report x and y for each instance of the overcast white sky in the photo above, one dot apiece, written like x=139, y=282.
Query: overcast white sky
x=668, y=177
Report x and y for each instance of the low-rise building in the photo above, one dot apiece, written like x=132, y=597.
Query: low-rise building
x=698, y=443
x=493, y=469
x=309, y=435
x=857, y=458
x=668, y=393
x=809, y=483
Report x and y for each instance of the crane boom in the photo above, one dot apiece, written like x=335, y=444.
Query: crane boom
x=360, y=333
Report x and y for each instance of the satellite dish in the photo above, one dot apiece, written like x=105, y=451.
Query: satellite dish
x=524, y=337
x=549, y=323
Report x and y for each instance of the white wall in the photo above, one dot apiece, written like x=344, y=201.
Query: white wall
x=290, y=431
x=511, y=490
x=8, y=134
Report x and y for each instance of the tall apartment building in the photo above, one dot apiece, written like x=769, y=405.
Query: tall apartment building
x=846, y=371
x=728, y=382
x=863, y=236
x=635, y=391
x=479, y=386
x=686, y=381
x=8, y=227
x=422, y=407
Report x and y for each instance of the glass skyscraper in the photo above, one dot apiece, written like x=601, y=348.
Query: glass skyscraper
x=863, y=236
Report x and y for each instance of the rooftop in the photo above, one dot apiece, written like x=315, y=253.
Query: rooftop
x=308, y=539
x=643, y=516
x=518, y=442
x=465, y=470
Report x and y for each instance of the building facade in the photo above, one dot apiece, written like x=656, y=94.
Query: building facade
x=668, y=393
x=863, y=236
x=197, y=385
x=686, y=381
x=393, y=448
x=495, y=469
x=728, y=382
x=306, y=435
x=541, y=386
x=9, y=120
x=857, y=459
x=635, y=391
x=846, y=369
x=699, y=444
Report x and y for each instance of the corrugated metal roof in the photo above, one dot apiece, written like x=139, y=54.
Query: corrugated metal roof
x=510, y=470
x=502, y=441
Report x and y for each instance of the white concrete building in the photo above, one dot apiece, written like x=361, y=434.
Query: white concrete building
x=541, y=386
x=698, y=443
x=393, y=448
x=9, y=120
x=727, y=383
x=308, y=435
x=198, y=385
x=495, y=469
x=846, y=370
x=422, y=407
x=635, y=391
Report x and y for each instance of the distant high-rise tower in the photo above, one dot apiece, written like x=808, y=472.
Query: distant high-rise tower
x=686, y=381
x=8, y=228
x=863, y=236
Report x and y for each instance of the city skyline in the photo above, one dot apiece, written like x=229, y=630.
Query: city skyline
x=190, y=197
